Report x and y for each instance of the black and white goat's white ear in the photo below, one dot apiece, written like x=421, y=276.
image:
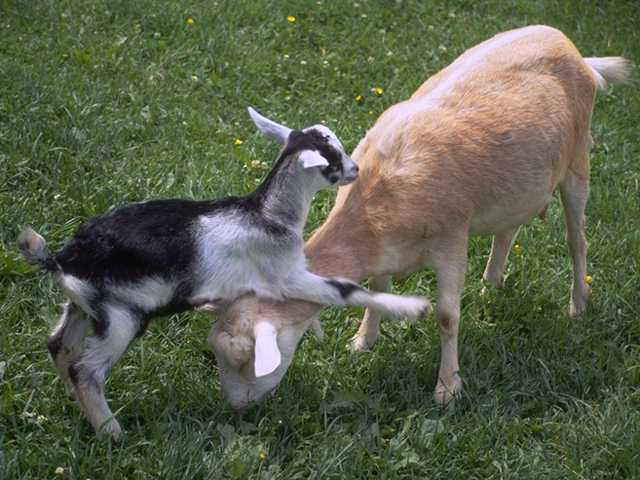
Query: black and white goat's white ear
x=311, y=158
x=278, y=132
x=267, y=353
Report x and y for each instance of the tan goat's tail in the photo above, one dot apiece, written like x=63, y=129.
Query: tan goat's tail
x=610, y=69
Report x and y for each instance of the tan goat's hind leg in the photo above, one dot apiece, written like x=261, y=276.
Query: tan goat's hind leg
x=575, y=192
x=369, y=330
x=500, y=246
x=449, y=263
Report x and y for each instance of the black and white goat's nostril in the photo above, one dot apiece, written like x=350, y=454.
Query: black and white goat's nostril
x=351, y=175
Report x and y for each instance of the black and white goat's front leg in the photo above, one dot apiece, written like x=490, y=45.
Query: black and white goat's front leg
x=118, y=326
x=339, y=291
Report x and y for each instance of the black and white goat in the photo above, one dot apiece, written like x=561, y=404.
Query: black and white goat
x=143, y=260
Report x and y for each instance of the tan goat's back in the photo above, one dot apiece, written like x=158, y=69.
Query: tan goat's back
x=485, y=141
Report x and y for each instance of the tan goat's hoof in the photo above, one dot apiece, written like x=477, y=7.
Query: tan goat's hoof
x=579, y=303
x=362, y=343
x=447, y=392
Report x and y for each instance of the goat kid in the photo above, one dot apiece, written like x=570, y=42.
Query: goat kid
x=143, y=260
x=478, y=149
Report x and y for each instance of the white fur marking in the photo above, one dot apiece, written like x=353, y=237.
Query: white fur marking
x=78, y=291
x=101, y=353
x=332, y=139
x=149, y=294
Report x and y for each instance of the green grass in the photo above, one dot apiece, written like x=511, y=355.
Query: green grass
x=103, y=103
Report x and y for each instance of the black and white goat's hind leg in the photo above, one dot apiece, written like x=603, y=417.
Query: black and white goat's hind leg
x=118, y=326
x=66, y=341
x=339, y=291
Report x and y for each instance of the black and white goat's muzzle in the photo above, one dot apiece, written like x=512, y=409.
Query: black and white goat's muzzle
x=350, y=174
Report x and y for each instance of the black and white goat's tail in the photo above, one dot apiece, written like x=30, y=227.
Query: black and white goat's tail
x=34, y=250
x=612, y=70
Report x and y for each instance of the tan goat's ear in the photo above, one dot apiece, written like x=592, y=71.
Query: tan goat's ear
x=267, y=353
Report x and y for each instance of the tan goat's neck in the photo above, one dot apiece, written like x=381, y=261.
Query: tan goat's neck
x=342, y=246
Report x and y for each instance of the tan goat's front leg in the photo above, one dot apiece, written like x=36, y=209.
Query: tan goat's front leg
x=449, y=262
x=369, y=330
x=500, y=246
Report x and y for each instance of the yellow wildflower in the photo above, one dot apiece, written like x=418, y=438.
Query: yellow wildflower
x=258, y=165
x=588, y=279
x=238, y=142
x=190, y=21
x=359, y=98
x=262, y=456
x=377, y=90
x=517, y=249
x=291, y=19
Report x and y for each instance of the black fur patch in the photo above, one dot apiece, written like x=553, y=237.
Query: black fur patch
x=147, y=239
x=99, y=322
x=345, y=288
x=54, y=345
x=135, y=241
x=73, y=374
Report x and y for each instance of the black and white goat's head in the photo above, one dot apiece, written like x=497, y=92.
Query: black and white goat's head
x=318, y=150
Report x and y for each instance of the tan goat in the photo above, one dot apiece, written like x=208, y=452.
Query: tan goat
x=478, y=150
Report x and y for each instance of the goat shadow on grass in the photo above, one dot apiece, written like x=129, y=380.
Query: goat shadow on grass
x=524, y=365
x=528, y=364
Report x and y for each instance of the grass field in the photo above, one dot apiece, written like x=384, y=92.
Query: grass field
x=107, y=102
